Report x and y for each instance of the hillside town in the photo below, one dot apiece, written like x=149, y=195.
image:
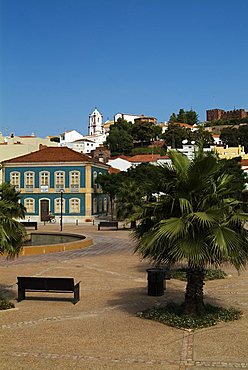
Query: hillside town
x=43, y=168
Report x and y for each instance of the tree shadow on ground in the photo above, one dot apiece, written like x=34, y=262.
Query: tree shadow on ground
x=133, y=300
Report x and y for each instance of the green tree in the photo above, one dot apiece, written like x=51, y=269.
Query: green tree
x=173, y=118
x=196, y=222
x=230, y=136
x=129, y=201
x=146, y=176
x=143, y=132
x=190, y=117
x=203, y=137
x=176, y=134
x=181, y=117
x=12, y=232
x=110, y=184
x=119, y=140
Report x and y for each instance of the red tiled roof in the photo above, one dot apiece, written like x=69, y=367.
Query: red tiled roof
x=113, y=170
x=146, y=158
x=51, y=154
x=244, y=162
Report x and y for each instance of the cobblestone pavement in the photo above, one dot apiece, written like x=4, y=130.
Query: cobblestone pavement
x=102, y=331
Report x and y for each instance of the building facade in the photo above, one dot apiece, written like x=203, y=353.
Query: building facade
x=57, y=180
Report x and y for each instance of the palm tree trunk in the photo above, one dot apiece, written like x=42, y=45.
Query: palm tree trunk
x=194, y=304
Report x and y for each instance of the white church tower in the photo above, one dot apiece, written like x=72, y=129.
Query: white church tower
x=95, y=123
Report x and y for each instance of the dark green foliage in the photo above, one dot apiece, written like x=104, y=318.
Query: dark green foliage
x=232, y=136
x=176, y=134
x=190, y=117
x=5, y=305
x=110, y=184
x=120, y=139
x=173, y=315
x=210, y=274
x=148, y=150
x=55, y=139
x=12, y=232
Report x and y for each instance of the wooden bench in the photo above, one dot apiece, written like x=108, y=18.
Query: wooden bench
x=29, y=224
x=47, y=284
x=108, y=224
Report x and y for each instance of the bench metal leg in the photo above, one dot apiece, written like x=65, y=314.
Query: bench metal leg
x=76, y=293
x=21, y=295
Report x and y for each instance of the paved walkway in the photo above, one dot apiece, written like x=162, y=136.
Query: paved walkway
x=102, y=330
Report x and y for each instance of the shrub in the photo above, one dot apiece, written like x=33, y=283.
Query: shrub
x=210, y=274
x=5, y=304
x=173, y=315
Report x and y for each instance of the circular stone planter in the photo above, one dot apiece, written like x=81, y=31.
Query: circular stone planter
x=52, y=242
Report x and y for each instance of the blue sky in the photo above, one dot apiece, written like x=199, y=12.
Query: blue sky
x=61, y=58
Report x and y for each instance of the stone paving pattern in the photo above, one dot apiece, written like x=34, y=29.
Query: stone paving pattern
x=46, y=331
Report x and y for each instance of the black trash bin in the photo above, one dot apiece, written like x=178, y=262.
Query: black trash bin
x=155, y=279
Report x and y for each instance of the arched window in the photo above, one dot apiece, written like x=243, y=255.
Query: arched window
x=30, y=205
x=105, y=205
x=74, y=205
x=94, y=176
x=29, y=181
x=15, y=179
x=94, y=205
x=44, y=180
x=57, y=207
x=74, y=181
x=100, y=204
x=59, y=180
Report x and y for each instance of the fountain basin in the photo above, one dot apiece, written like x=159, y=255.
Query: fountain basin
x=52, y=242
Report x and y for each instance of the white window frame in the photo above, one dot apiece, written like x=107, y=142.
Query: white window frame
x=59, y=180
x=44, y=175
x=74, y=180
x=15, y=179
x=57, y=208
x=29, y=180
x=72, y=206
x=27, y=205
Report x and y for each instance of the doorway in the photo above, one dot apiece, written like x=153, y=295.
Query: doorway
x=44, y=209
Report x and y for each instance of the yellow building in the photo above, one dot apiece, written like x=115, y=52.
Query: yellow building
x=230, y=152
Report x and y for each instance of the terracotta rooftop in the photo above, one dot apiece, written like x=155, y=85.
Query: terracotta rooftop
x=146, y=158
x=113, y=170
x=244, y=162
x=51, y=154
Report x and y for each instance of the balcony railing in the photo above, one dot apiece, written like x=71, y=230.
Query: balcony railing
x=74, y=188
x=29, y=188
x=59, y=187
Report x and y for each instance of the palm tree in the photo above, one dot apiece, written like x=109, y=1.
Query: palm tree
x=12, y=233
x=196, y=222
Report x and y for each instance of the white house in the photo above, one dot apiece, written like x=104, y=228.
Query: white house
x=83, y=145
x=123, y=163
x=125, y=116
x=69, y=137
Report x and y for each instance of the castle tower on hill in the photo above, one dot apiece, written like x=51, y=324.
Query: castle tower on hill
x=95, y=123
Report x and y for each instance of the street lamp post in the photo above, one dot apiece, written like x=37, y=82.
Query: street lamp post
x=61, y=209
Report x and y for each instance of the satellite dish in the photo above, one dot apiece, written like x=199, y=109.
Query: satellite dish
x=184, y=141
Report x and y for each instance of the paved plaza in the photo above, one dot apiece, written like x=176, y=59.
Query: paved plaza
x=46, y=331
